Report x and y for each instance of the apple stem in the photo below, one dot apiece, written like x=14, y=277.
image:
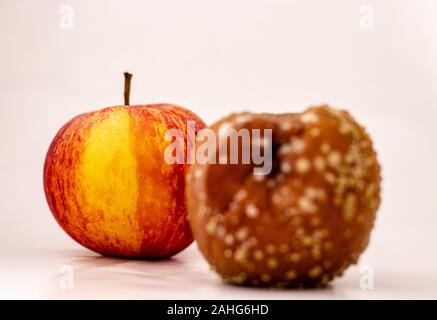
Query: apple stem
x=127, y=79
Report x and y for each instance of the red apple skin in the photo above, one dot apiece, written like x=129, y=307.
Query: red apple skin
x=109, y=187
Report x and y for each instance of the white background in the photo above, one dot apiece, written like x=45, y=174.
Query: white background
x=216, y=57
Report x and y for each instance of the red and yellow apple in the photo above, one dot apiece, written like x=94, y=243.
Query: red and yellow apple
x=109, y=187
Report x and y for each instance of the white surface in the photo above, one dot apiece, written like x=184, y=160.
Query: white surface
x=216, y=57
x=41, y=273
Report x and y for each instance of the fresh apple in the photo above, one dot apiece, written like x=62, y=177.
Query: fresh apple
x=108, y=185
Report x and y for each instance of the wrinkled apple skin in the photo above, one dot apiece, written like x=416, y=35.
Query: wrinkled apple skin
x=109, y=187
